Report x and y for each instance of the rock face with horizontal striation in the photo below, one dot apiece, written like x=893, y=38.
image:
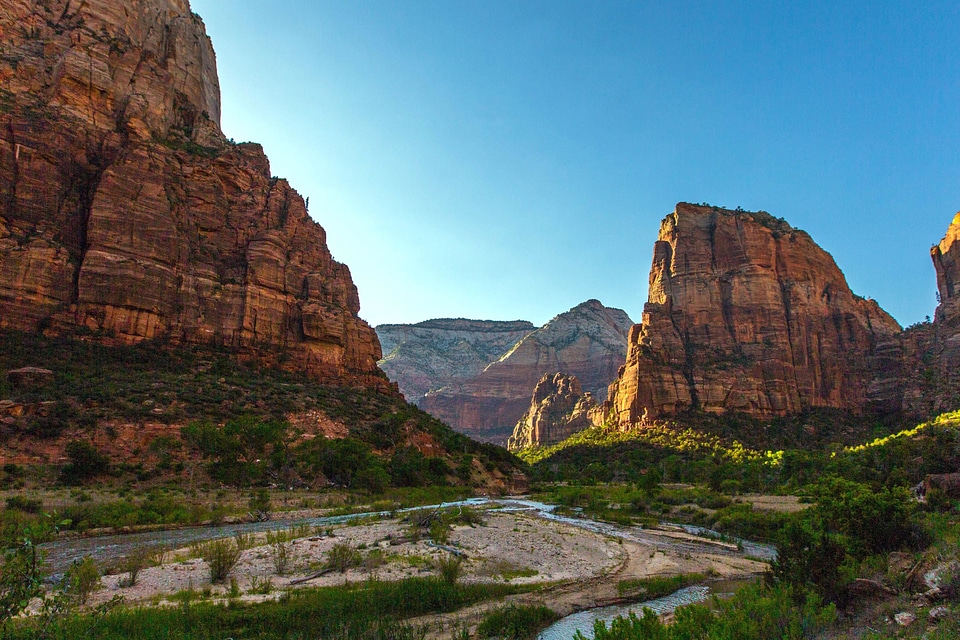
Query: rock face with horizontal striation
x=931, y=374
x=559, y=408
x=589, y=342
x=429, y=355
x=126, y=212
x=746, y=314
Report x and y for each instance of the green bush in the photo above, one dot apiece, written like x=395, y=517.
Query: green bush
x=516, y=622
x=342, y=557
x=83, y=578
x=85, y=462
x=221, y=556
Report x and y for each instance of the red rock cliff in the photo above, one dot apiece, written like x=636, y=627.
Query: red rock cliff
x=747, y=314
x=124, y=210
x=588, y=341
x=558, y=409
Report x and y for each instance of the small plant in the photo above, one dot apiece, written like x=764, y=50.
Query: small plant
x=221, y=555
x=84, y=578
x=139, y=558
x=260, y=505
x=244, y=540
x=516, y=622
x=234, y=589
x=281, y=551
x=342, y=557
x=374, y=559
x=260, y=586
x=450, y=568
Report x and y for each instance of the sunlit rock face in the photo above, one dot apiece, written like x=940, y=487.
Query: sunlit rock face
x=746, y=314
x=932, y=350
x=558, y=409
x=589, y=342
x=433, y=354
x=125, y=211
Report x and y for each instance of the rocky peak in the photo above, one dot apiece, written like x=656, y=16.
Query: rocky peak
x=946, y=262
x=558, y=409
x=127, y=213
x=433, y=354
x=588, y=341
x=747, y=314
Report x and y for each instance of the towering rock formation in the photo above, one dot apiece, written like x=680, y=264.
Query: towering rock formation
x=747, y=314
x=946, y=262
x=559, y=408
x=931, y=361
x=126, y=212
x=429, y=355
x=589, y=341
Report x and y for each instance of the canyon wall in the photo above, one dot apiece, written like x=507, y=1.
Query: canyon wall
x=746, y=314
x=125, y=212
x=433, y=354
x=589, y=342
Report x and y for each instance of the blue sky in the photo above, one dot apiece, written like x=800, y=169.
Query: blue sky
x=508, y=160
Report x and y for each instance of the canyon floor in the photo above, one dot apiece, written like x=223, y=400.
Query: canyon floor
x=574, y=569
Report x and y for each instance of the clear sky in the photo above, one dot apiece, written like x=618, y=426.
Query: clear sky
x=511, y=159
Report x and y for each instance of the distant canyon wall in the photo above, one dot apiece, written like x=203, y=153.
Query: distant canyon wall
x=589, y=342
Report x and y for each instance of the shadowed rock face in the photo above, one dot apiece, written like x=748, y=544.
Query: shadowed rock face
x=430, y=355
x=589, y=342
x=125, y=211
x=932, y=350
x=747, y=314
x=559, y=408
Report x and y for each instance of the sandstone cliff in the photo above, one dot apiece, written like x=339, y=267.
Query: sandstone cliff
x=747, y=314
x=931, y=351
x=429, y=355
x=589, y=341
x=126, y=212
x=559, y=408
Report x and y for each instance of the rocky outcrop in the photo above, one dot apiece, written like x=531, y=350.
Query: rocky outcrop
x=747, y=314
x=429, y=355
x=589, y=342
x=126, y=213
x=559, y=408
x=931, y=361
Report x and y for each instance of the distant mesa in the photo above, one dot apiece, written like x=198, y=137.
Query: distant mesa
x=128, y=215
x=480, y=380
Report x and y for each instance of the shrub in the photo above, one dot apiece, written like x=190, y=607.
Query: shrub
x=450, y=568
x=342, y=556
x=516, y=622
x=83, y=577
x=22, y=503
x=85, y=461
x=221, y=555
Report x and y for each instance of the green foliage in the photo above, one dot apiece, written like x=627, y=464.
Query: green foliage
x=657, y=586
x=342, y=556
x=449, y=568
x=369, y=610
x=204, y=386
x=871, y=520
x=85, y=462
x=21, y=578
x=221, y=556
x=516, y=622
x=756, y=612
x=24, y=504
x=83, y=578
